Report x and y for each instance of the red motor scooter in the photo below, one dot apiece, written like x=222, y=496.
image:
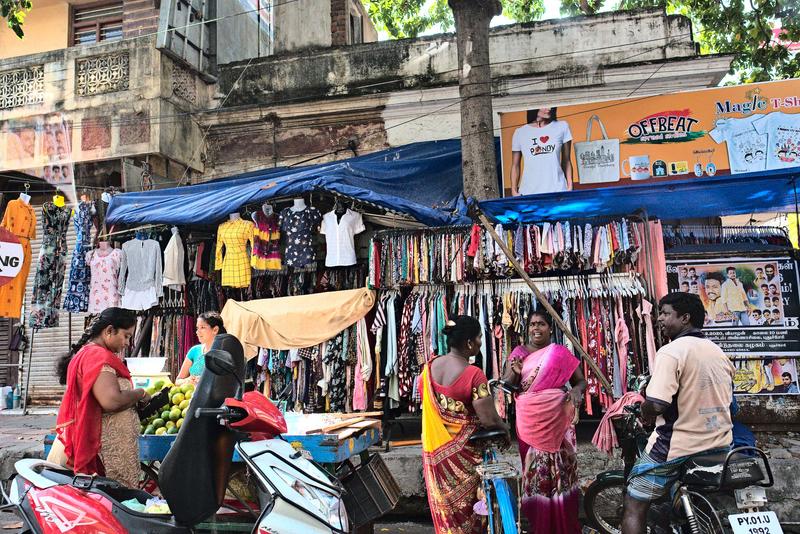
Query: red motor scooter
x=294, y=494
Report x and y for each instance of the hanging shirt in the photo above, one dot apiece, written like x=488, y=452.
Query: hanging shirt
x=541, y=155
x=140, y=274
x=340, y=237
x=174, y=256
x=266, y=254
x=105, y=273
x=231, y=255
x=747, y=148
x=299, y=227
x=783, y=131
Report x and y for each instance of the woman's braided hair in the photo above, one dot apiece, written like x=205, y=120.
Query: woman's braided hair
x=116, y=318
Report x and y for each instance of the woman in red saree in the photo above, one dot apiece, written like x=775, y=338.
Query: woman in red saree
x=97, y=424
x=456, y=402
x=546, y=414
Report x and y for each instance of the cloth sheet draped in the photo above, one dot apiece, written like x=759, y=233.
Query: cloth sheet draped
x=295, y=322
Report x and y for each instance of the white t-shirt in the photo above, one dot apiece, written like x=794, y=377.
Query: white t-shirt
x=340, y=237
x=747, y=149
x=783, y=130
x=541, y=154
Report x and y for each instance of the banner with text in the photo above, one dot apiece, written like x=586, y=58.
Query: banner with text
x=726, y=130
x=752, y=312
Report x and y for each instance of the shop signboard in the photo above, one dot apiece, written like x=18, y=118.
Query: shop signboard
x=695, y=134
x=752, y=312
x=12, y=256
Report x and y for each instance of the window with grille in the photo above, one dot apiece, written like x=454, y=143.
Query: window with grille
x=95, y=23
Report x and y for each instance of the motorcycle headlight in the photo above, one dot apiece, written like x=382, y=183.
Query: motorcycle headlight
x=329, y=504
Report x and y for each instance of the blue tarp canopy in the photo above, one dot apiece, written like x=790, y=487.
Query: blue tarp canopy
x=422, y=180
x=668, y=200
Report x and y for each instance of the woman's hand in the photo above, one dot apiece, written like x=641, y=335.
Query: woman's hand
x=575, y=395
x=516, y=366
x=146, y=398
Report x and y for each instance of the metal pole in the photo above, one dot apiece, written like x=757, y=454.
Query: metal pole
x=28, y=376
x=541, y=298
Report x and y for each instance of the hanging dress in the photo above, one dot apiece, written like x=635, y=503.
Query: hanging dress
x=20, y=220
x=49, y=280
x=77, y=298
x=103, y=291
x=233, y=237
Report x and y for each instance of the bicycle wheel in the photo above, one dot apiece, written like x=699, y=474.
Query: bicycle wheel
x=506, y=508
x=707, y=520
x=602, y=504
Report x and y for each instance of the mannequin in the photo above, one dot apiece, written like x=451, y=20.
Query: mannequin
x=25, y=197
x=299, y=204
x=233, y=217
x=174, y=230
x=267, y=209
x=104, y=246
x=58, y=200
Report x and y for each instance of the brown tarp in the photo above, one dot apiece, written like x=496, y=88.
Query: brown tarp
x=295, y=322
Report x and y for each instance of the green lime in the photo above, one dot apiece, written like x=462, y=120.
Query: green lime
x=189, y=394
x=165, y=415
x=179, y=423
x=158, y=423
x=150, y=429
x=172, y=430
x=159, y=385
x=186, y=388
x=173, y=390
x=184, y=412
x=169, y=424
x=175, y=414
x=161, y=431
x=184, y=404
x=177, y=399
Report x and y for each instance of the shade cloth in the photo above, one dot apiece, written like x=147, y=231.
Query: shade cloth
x=674, y=199
x=295, y=322
x=422, y=180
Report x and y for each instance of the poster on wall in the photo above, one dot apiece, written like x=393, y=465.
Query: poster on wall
x=40, y=147
x=752, y=310
x=767, y=374
x=726, y=130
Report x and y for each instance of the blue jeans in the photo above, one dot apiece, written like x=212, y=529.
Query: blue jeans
x=741, y=318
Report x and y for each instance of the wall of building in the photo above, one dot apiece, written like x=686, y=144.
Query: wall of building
x=46, y=28
x=239, y=34
x=301, y=25
x=141, y=110
x=302, y=105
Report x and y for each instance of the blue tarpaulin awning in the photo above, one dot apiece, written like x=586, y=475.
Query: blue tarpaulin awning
x=680, y=199
x=422, y=180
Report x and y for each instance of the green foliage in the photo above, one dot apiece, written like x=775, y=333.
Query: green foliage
x=742, y=28
x=15, y=11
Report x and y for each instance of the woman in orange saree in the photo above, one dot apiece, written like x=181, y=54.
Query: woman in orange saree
x=546, y=412
x=456, y=402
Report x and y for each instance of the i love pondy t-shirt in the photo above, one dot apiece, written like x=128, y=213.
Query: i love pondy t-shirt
x=541, y=155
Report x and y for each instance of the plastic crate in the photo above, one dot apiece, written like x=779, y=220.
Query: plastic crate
x=371, y=491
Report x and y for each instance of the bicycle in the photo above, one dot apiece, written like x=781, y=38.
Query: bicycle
x=686, y=510
x=503, y=511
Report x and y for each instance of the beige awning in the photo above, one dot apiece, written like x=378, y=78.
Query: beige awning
x=295, y=322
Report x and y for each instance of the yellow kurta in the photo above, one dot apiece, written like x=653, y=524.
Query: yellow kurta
x=232, y=257
x=20, y=220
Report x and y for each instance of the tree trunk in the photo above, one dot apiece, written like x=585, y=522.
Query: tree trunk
x=478, y=161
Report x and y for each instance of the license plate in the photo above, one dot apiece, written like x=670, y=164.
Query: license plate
x=755, y=523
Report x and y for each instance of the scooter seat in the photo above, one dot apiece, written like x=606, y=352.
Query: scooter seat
x=117, y=493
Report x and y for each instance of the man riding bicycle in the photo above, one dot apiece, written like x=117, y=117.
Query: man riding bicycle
x=689, y=394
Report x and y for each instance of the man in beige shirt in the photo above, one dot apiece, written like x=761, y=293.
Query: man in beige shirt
x=735, y=298
x=690, y=394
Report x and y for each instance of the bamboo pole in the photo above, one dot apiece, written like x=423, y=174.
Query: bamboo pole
x=543, y=301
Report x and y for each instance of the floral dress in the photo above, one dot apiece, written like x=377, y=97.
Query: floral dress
x=105, y=271
x=77, y=297
x=49, y=279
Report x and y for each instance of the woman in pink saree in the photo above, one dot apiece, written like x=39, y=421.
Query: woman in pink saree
x=546, y=415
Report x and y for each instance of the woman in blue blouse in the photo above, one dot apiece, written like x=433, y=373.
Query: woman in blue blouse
x=209, y=324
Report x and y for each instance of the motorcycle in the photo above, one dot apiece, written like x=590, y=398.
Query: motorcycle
x=293, y=493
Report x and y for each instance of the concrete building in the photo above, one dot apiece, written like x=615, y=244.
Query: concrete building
x=123, y=80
